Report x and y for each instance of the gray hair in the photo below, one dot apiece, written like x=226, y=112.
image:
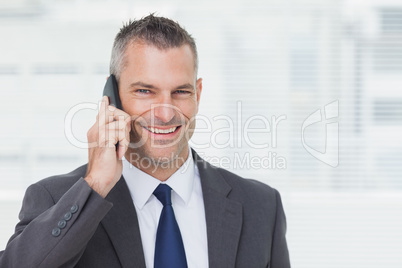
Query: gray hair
x=160, y=32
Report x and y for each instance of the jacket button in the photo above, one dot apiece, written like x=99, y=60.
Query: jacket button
x=68, y=216
x=74, y=209
x=62, y=224
x=56, y=232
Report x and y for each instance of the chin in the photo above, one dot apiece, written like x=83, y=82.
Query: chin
x=166, y=154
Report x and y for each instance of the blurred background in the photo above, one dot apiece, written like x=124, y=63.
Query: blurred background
x=261, y=61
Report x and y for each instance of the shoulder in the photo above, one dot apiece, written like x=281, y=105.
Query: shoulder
x=260, y=202
x=247, y=189
x=249, y=192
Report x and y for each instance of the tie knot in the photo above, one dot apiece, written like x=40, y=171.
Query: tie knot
x=163, y=193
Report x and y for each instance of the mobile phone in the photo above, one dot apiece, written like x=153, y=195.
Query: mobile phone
x=112, y=91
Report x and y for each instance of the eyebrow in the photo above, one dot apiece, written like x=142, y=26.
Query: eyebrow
x=149, y=86
x=186, y=86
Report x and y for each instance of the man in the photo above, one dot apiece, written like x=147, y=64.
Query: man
x=149, y=201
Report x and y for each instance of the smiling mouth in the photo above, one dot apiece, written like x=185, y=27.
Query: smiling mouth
x=156, y=130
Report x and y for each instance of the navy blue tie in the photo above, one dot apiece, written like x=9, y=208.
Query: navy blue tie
x=169, y=248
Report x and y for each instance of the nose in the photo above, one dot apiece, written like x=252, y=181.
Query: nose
x=164, y=110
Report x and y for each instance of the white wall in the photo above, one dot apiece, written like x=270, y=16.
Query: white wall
x=272, y=59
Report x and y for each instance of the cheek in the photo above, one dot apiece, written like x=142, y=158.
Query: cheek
x=137, y=107
x=188, y=108
x=189, y=114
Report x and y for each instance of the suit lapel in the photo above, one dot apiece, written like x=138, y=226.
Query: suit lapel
x=121, y=224
x=224, y=220
x=224, y=216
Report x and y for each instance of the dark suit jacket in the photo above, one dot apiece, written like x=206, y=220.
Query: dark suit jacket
x=245, y=224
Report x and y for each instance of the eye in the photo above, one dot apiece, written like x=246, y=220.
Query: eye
x=181, y=92
x=143, y=91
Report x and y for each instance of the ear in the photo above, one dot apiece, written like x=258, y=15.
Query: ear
x=198, y=91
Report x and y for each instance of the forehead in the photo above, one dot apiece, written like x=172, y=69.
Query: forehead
x=142, y=58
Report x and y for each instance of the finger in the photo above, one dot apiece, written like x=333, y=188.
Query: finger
x=116, y=135
x=121, y=150
x=118, y=114
x=108, y=134
x=124, y=141
x=114, y=114
x=119, y=125
x=119, y=136
x=128, y=129
x=127, y=135
x=93, y=136
x=102, y=111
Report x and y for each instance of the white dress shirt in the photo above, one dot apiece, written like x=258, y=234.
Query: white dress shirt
x=188, y=207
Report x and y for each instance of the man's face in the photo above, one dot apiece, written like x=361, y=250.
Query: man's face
x=161, y=87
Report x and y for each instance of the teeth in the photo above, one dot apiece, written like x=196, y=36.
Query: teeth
x=164, y=131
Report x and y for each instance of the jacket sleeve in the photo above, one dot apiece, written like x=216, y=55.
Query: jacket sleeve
x=280, y=253
x=54, y=234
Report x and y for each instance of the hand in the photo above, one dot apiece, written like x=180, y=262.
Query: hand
x=104, y=165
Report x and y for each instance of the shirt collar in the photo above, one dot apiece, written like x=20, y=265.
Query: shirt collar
x=142, y=185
